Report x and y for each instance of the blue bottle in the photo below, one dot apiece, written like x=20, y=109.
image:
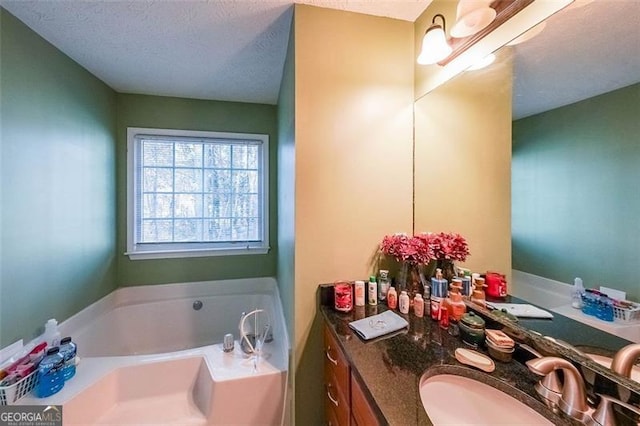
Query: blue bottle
x=68, y=351
x=439, y=286
x=50, y=379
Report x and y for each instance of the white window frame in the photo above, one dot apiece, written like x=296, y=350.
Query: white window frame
x=137, y=251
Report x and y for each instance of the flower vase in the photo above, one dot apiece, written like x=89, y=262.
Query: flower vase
x=409, y=280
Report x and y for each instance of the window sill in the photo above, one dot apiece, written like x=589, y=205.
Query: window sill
x=176, y=254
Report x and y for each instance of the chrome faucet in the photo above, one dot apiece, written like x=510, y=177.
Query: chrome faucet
x=624, y=359
x=573, y=400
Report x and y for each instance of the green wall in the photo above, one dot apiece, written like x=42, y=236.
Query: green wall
x=191, y=114
x=286, y=188
x=576, y=205
x=57, y=224
x=286, y=201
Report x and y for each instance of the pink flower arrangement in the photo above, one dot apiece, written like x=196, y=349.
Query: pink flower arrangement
x=423, y=248
x=447, y=246
x=413, y=250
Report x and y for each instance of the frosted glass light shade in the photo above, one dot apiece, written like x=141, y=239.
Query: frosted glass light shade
x=434, y=46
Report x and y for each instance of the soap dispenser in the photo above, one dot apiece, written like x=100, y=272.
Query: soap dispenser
x=576, y=293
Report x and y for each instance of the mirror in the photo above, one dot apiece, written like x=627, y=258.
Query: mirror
x=573, y=37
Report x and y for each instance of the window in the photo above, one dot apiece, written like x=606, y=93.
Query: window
x=196, y=193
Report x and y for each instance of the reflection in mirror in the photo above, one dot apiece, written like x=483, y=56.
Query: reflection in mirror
x=575, y=209
x=576, y=103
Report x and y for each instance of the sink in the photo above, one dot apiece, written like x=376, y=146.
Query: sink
x=605, y=361
x=452, y=399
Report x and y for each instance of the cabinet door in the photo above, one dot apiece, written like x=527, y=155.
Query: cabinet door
x=362, y=412
x=336, y=382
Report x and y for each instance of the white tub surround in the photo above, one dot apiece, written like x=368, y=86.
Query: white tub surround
x=148, y=357
x=556, y=296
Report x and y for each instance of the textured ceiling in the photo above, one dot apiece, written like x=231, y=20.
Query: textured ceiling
x=220, y=49
x=583, y=52
x=234, y=49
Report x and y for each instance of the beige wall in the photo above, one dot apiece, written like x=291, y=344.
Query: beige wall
x=463, y=163
x=353, y=142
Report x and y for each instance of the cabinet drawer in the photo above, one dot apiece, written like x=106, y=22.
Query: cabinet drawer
x=361, y=411
x=337, y=409
x=335, y=362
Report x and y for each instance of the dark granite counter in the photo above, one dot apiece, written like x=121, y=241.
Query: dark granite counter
x=391, y=367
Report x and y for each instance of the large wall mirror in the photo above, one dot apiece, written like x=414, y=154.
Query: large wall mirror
x=573, y=94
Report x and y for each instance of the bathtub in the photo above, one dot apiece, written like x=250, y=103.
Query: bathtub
x=153, y=355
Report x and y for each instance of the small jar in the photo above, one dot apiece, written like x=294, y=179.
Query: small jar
x=343, y=296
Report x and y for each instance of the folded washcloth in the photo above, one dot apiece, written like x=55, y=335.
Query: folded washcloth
x=378, y=325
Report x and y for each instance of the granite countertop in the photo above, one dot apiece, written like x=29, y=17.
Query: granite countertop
x=391, y=368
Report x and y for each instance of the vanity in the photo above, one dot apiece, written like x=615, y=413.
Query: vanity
x=380, y=381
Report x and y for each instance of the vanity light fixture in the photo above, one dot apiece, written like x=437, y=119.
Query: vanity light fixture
x=471, y=17
x=434, y=43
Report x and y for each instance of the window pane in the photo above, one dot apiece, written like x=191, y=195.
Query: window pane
x=239, y=156
x=188, y=180
x=239, y=229
x=157, y=231
x=157, y=206
x=218, y=156
x=157, y=180
x=189, y=154
x=157, y=153
x=188, y=205
x=240, y=181
x=245, y=206
x=252, y=157
x=218, y=230
x=218, y=205
x=253, y=230
x=188, y=230
x=217, y=181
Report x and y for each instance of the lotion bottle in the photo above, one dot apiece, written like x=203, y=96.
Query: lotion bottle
x=373, y=291
x=404, y=302
x=392, y=298
x=359, y=290
x=418, y=306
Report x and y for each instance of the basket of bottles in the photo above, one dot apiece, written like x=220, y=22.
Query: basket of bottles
x=626, y=311
x=11, y=393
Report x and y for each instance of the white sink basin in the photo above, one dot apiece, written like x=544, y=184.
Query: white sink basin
x=605, y=361
x=453, y=400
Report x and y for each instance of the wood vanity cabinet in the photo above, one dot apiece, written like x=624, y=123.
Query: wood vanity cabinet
x=345, y=401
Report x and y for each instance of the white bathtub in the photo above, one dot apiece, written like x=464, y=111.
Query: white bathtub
x=148, y=357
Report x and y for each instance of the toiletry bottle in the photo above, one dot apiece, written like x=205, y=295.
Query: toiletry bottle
x=373, y=291
x=576, y=293
x=427, y=299
x=466, y=284
x=359, y=290
x=457, y=308
x=439, y=285
x=68, y=350
x=418, y=306
x=51, y=333
x=436, y=303
x=392, y=298
x=50, y=378
x=383, y=285
x=404, y=302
